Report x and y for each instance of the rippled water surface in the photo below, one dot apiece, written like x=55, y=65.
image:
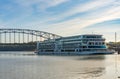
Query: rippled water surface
x=25, y=65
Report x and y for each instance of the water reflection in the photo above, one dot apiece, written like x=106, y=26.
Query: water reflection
x=16, y=53
x=92, y=57
x=57, y=67
x=90, y=73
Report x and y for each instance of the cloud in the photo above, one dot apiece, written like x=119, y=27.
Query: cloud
x=41, y=4
x=94, y=11
x=73, y=26
x=86, y=7
x=97, y=11
x=2, y=25
x=20, y=12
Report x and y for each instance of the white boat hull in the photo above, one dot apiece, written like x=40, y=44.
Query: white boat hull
x=75, y=53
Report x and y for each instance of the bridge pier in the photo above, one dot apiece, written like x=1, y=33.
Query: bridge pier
x=23, y=37
x=18, y=37
x=5, y=37
x=27, y=37
x=9, y=37
x=14, y=36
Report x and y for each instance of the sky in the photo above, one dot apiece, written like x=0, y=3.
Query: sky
x=63, y=17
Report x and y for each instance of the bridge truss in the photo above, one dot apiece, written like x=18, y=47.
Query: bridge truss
x=24, y=35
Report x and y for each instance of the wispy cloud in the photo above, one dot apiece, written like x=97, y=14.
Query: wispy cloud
x=42, y=4
x=102, y=11
x=86, y=7
x=22, y=11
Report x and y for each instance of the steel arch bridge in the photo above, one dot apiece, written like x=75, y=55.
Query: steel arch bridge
x=24, y=35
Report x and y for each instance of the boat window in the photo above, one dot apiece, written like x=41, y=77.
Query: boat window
x=96, y=43
x=103, y=43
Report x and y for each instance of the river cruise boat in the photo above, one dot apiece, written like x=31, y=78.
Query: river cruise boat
x=74, y=45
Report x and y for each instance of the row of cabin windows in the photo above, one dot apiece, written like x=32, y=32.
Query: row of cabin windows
x=72, y=45
x=96, y=46
x=83, y=40
x=96, y=43
x=90, y=43
x=93, y=39
x=70, y=50
x=47, y=46
x=92, y=36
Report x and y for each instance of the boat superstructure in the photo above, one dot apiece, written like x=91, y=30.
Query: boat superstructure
x=74, y=45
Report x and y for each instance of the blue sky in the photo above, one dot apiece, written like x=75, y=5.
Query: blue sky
x=63, y=17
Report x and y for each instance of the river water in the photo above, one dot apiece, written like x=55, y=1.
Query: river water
x=25, y=65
